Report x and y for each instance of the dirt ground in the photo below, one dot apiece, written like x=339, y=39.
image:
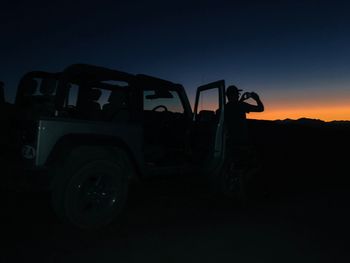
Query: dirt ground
x=180, y=222
x=304, y=217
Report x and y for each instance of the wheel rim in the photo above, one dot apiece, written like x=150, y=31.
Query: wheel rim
x=93, y=196
x=95, y=192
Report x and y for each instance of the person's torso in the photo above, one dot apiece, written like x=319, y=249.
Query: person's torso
x=236, y=122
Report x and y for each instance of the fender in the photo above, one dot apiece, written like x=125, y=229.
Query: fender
x=65, y=144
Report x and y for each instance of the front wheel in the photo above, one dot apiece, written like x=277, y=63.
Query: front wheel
x=90, y=189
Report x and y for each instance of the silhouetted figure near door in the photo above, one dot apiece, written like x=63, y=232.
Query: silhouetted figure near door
x=235, y=114
x=241, y=162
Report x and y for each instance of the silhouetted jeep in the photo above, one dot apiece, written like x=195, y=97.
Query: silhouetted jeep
x=86, y=132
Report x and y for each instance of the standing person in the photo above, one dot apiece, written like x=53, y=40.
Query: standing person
x=235, y=114
x=241, y=161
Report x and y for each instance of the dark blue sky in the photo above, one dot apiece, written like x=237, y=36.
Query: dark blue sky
x=287, y=51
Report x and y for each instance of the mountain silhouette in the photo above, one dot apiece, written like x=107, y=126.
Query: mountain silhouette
x=308, y=122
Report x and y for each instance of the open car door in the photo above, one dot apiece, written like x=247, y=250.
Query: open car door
x=208, y=134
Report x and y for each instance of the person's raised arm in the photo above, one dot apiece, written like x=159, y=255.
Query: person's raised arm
x=259, y=107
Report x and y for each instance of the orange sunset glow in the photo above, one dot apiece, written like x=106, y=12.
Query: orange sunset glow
x=327, y=113
x=337, y=108
x=323, y=104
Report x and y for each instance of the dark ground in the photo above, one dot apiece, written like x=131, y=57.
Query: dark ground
x=304, y=218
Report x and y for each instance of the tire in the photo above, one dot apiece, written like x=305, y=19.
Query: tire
x=89, y=188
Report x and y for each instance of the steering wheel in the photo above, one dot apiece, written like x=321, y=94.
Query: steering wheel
x=160, y=107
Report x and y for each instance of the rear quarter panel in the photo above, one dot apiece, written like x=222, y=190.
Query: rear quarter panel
x=52, y=130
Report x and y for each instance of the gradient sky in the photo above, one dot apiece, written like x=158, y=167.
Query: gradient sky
x=294, y=54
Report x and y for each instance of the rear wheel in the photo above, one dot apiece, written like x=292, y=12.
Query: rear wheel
x=90, y=189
